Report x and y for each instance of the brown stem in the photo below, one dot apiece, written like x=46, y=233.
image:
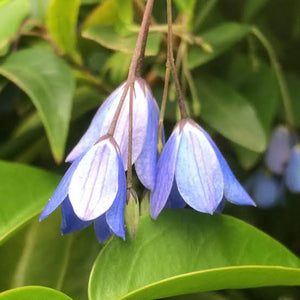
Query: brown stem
x=180, y=98
x=129, y=161
x=133, y=66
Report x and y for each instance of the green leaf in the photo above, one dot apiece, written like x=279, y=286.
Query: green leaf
x=220, y=38
x=107, y=37
x=33, y=293
x=251, y=8
x=12, y=13
x=230, y=114
x=39, y=247
x=187, y=252
x=61, y=23
x=49, y=83
x=125, y=10
x=25, y=190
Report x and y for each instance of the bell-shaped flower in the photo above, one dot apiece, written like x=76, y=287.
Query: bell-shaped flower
x=192, y=166
x=93, y=189
x=292, y=176
x=279, y=150
x=144, y=131
x=266, y=189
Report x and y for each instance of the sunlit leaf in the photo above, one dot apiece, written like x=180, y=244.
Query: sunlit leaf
x=187, y=252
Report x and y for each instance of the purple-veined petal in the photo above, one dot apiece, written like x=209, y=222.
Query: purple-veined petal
x=115, y=215
x=145, y=164
x=99, y=125
x=165, y=174
x=61, y=191
x=198, y=172
x=70, y=222
x=292, y=178
x=175, y=200
x=101, y=229
x=94, y=184
x=233, y=190
x=279, y=150
x=139, y=126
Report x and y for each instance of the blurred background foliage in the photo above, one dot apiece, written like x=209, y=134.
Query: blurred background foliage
x=238, y=62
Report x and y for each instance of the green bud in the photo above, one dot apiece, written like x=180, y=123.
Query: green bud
x=145, y=204
x=132, y=213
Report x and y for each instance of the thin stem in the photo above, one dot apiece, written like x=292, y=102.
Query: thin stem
x=163, y=107
x=133, y=65
x=129, y=160
x=280, y=78
x=170, y=59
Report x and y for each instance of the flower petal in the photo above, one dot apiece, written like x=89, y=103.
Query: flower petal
x=165, y=174
x=94, y=184
x=139, y=126
x=70, y=222
x=293, y=171
x=145, y=164
x=99, y=125
x=61, y=191
x=101, y=229
x=233, y=190
x=115, y=215
x=175, y=200
x=198, y=173
x=279, y=150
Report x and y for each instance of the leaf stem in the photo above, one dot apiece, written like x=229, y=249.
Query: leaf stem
x=279, y=75
x=170, y=59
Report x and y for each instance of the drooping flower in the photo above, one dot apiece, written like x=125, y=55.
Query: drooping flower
x=192, y=166
x=93, y=190
x=292, y=177
x=144, y=136
x=279, y=150
x=266, y=189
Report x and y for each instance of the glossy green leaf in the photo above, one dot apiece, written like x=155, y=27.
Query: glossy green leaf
x=107, y=37
x=39, y=247
x=12, y=13
x=33, y=293
x=225, y=110
x=187, y=252
x=24, y=191
x=61, y=23
x=49, y=83
x=220, y=38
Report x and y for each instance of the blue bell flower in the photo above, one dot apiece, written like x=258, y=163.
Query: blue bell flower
x=191, y=164
x=292, y=177
x=93, y=190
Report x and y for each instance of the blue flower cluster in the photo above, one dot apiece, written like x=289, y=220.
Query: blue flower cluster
x=190, y=170
x=282, y=159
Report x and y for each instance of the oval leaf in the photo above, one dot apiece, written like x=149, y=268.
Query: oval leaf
x=61, y=23
x=49, y=83
x=220, y=38
x=230, y=114
x=33, y=293
x=12, y=13
x=24, y=191
x=186, y=252
x=107, y=37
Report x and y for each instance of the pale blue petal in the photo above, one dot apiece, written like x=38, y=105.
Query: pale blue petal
x=101, y=229
x=70, y=222
x=279, y=150
x=266, y=190
x=145, y=164
x=165, y=174
x=99, y=125
x=198, y=173
x=94, y=184
x=233, y=190
x=61, y=191
x=221, y=206
x=115, y=215
x=293, y=171
x=175, y=200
